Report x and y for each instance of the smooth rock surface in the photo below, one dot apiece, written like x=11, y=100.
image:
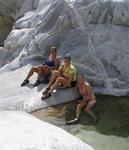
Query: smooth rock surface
x=7, y=16
x=95, y=33
x=21, y=131
x=24, y=6
x=28, y=98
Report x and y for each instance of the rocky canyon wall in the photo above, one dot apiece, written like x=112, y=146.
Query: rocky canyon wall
x=94, y=32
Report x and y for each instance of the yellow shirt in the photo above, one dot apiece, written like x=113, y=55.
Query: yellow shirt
x=68, y=70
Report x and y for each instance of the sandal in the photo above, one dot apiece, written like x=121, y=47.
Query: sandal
x=46, y=95
x=37, y=83
x=25, y=82
x=46, y=90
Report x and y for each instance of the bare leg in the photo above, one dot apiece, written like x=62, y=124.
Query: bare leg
x=53, y=78
x=88, y=109
x=32, y=70
x=56, y=83
x=78, y=110
x=42, y=70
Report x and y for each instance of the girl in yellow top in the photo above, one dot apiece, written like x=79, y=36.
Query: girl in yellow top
x=65, y=76
x=69, y=73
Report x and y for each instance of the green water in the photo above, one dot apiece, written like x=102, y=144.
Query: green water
x=112, y=130
x=114, y=116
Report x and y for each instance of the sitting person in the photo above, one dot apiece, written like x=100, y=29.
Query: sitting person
x=44, y=70
x=88, y=100
x=65, y=76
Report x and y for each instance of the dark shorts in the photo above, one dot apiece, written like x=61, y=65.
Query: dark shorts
x=47, y=77
x=73, y=83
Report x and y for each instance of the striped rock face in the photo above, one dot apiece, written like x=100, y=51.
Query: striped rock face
x=92, y=31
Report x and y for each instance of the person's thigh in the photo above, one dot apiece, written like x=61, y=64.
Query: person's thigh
x=56, y=74
x=82, y=105
x=43, y=69
x=34, y=69
x=61, y=80
x=90, y=104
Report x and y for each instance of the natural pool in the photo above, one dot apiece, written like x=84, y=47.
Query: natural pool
x=111, y=132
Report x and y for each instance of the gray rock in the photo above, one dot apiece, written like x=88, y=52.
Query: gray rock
x=23, y=131
x=7, y=16
x=28, y=98
x=24, y=6
x=95, y=33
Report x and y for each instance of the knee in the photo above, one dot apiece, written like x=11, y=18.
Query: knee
x=55, y=73
x=59, y=79
x=34, y=69
x=40, y=67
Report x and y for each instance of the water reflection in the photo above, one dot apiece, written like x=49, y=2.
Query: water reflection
x=112, y=130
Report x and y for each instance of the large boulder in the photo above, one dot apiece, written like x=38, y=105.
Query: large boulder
x=21, y=131
x=28, y=98
x=91, y=31
x=24, y=6
x=7, y=17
